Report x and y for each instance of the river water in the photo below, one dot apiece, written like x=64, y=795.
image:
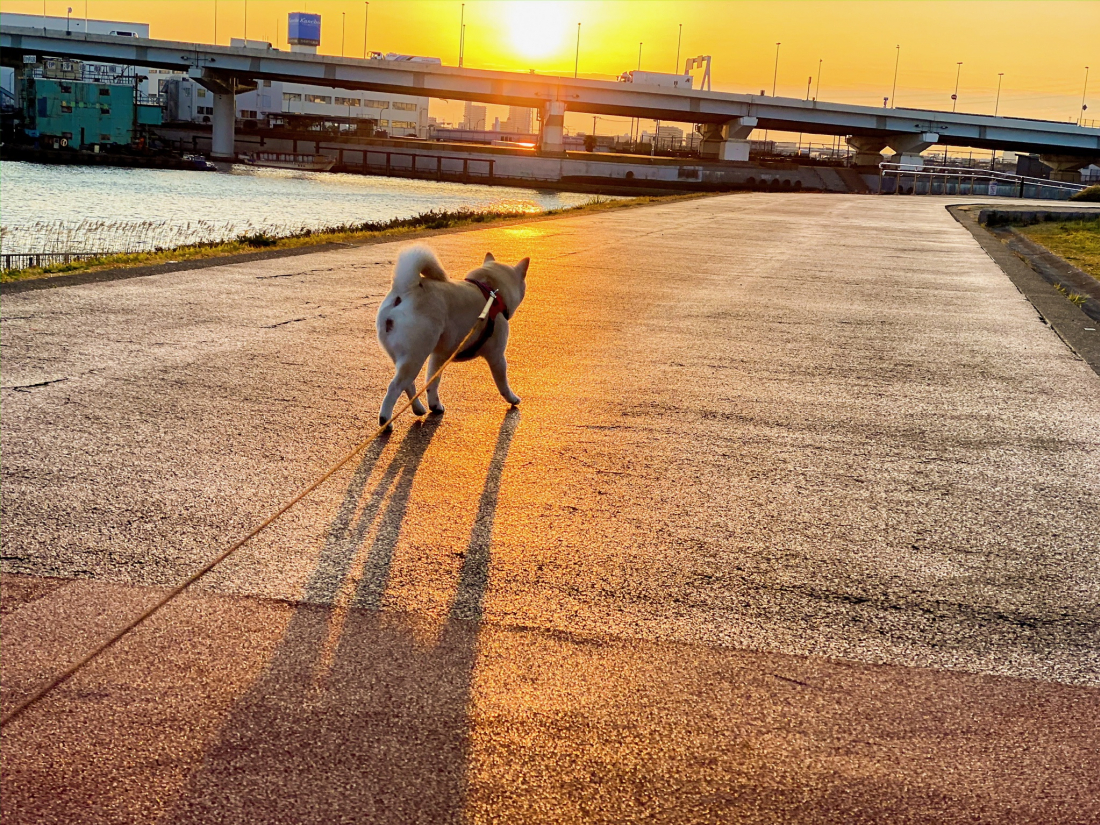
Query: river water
x=94, y=209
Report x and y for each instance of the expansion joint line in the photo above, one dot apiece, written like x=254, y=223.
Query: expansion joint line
x=60, y=679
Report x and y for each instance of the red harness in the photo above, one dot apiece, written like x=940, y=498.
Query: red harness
x=496, y=309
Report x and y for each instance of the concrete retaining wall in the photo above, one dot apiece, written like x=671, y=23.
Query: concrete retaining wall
x=525, y=166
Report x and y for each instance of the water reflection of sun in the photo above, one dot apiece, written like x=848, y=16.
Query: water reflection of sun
x=536, y=28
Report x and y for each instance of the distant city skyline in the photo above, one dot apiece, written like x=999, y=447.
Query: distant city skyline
x=1040, y=47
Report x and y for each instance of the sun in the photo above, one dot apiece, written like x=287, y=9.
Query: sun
x=536, y=28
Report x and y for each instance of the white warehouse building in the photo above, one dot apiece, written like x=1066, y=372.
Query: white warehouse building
x=397, y=115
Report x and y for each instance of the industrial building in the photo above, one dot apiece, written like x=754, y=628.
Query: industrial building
x=66, y=104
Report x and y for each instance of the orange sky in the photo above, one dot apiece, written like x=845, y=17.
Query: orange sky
x=1042, y=47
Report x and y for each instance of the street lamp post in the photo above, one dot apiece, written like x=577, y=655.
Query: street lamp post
x=639, y=57
x=997, y=104
x=894, y=88
x=461, y=34
x=955, y=97
x=817, y=89
x=679, y=38
x=1084, y=91
x=577, y=59
x=343, y=30
x=67, y=15
x=215, y=22
x=366, y=16
x=246, y=23
x=775, y=76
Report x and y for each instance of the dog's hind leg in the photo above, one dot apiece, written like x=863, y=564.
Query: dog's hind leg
x=499, y=368
x=434, y=362
x=403, y=381
x=418, y=405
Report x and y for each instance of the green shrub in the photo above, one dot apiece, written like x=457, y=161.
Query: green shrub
x=1091, y=194
x=257, y=239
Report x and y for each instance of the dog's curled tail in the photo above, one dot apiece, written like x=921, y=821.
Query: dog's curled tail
x=411, y=264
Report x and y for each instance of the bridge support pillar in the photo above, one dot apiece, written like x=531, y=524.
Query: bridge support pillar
x=908, y=148
x=553, y=128
x=868, y=150
x=223, y=123
x=727, y=141
x=1065, y=167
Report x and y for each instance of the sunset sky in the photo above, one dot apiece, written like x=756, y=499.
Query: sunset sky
x=1041, y=47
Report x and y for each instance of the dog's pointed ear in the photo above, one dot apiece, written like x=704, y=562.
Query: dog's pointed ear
x=488, y=257
x=521, y=267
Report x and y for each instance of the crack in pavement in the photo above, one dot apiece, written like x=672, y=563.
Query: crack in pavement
x=282, y=323
x=26, y=387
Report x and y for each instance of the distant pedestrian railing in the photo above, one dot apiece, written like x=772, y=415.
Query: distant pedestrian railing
x=410, y=164
x=900, y=179
x=30, y=260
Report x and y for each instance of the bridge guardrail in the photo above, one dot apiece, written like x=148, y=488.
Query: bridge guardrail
x=952, y=180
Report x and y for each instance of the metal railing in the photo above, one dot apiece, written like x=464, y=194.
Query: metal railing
x=950, y=180
x=407, y=164
x=29, y=260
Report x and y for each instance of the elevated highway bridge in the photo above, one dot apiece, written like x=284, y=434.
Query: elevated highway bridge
x=726, y=120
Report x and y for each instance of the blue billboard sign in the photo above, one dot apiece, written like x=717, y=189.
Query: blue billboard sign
x=304, y=29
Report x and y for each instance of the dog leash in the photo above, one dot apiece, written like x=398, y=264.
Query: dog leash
x=72, y=670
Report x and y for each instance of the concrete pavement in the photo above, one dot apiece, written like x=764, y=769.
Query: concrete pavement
x=796, y=523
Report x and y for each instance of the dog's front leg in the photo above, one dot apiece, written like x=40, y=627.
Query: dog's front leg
x=499, y=368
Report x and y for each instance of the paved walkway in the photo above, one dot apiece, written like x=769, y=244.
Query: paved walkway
x=796, y=523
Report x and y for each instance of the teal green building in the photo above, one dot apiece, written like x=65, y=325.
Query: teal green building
x=84, y=114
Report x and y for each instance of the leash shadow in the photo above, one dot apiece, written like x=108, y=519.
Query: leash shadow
x=356, y=717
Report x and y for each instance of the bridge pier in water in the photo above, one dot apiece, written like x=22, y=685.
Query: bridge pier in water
x=553, y=128
x=223, y=123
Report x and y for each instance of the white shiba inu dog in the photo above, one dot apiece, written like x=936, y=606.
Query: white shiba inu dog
x=426, y=315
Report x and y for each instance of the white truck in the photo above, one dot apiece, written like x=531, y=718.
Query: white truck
x=678, y=81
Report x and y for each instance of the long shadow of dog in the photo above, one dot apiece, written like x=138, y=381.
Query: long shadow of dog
x=356, y=718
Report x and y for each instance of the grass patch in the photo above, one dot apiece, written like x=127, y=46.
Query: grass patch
x=347, y=234
x=1076, y=241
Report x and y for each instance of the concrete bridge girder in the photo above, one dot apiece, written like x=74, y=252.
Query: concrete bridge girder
x=588, y=96
x=729, y=140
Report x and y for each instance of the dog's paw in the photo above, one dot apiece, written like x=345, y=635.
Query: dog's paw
x=418, y=408
x=437, y=409
x=382, y=423
x=514, y=400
